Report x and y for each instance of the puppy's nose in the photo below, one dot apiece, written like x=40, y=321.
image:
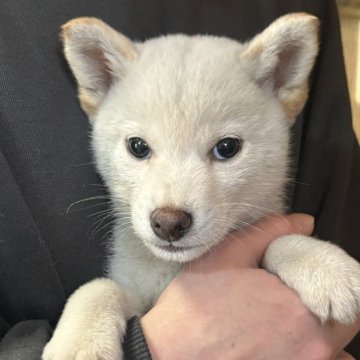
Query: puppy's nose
x=170, y=224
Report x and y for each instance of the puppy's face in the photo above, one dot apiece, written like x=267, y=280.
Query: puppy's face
x=191, y=133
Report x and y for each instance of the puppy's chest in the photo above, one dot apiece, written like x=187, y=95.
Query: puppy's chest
x=142, y=276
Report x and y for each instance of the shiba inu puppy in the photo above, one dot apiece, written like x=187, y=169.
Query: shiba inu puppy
x=190, y=134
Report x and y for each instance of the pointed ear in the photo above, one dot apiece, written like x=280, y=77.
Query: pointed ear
x=98, y=56
x=282, y=56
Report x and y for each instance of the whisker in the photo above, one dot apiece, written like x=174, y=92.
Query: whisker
x=99, y=185
x=83, y=164
x=98, y=215
x=98, y=228
x=99, y=197
x=101, y=219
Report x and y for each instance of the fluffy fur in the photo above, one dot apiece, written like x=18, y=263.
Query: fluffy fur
x=182, y=95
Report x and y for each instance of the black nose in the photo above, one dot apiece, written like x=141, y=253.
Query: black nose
x=170, y=224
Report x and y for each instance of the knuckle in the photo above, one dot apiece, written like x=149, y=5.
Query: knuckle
x=321, y=350
x=282, y=224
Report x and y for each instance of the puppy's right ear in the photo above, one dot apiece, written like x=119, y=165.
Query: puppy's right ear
x=98, y=56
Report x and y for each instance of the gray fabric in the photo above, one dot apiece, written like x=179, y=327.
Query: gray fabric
x=25, y=340
x=47, y=251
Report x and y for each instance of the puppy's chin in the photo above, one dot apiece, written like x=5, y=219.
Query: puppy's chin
x=176, y=253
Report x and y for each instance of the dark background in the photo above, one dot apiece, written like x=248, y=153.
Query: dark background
x=47, y=249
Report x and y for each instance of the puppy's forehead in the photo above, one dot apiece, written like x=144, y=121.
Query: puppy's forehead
x=175, y=66
x=181, y=80
x=189, y=51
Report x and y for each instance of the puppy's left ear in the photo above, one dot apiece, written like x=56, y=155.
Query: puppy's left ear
x=281, y=58
x=98, y=56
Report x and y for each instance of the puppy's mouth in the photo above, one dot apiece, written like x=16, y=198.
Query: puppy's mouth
x=176, y=249
x=177, y=253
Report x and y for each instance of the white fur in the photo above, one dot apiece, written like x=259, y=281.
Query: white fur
x=182, y=95
x=325, y=277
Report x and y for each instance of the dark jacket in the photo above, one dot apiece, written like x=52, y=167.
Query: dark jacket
x=48, y=247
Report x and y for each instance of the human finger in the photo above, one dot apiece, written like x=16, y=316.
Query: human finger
x=345, y=356
x=246, y=248
x=341, y=335
x=257, y=238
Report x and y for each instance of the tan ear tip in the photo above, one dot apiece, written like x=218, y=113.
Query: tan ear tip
x=299, y=17
x=80, y=21
x=64, y=32
x=314, y=21
x=66, y=28
x=304, y=17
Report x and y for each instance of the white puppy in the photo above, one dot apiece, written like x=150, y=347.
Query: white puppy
x=190, y=134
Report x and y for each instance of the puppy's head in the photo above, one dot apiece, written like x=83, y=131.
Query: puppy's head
x=192, y=132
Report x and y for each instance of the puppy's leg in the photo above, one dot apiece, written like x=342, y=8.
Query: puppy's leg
x=92, y=325
x=326, y=278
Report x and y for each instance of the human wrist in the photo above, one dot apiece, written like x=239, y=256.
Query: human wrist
x=151, y=333
x=165, y=341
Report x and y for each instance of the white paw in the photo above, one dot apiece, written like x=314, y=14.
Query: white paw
x=82, y=350
x=326, y=278
x=92, y=326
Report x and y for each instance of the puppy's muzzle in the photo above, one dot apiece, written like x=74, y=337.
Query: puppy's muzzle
x=170, y=224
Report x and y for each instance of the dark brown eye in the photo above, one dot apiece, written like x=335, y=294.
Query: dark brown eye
x=138, y=147
x=226, y=148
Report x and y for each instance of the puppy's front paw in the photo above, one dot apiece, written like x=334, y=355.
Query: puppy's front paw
x=325, y=277
x=81, y=349
x=92, y=326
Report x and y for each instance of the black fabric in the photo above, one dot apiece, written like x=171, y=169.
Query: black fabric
x=48, y=249
x=26, y=340
x=134, y=345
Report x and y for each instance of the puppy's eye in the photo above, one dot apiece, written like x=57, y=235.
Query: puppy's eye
x=226, y=148
x=138, y=147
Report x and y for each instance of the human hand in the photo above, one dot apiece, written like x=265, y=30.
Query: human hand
x=224, y=306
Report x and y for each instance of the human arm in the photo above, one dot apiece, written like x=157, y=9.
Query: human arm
x=224, y=306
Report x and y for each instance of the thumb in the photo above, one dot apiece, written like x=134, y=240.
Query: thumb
x=257, y=239
x=345, y=356
x=246, y=248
